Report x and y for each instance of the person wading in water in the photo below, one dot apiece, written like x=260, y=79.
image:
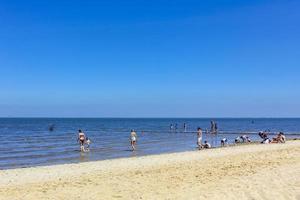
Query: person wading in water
x=133, y=139
x=81, y=139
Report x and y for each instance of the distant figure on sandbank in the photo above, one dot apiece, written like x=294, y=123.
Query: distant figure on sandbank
x=133, y=139
x=51, y=127
x=213, y=127
x=184, y=127
x=171, y=127
x=206, y=131
x=81, y=140
x=199, y=138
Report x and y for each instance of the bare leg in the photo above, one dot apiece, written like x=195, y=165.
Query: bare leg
x=133, y=145
x=82, y=148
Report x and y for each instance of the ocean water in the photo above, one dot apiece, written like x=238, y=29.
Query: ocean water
x=27, y=142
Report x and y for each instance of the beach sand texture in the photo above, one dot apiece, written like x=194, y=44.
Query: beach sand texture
x=257, y=171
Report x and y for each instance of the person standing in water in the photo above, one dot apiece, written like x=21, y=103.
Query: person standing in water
x=81, y=139
x=88, y=142
x=212, y=127
x=51, y=127
x=133, y=139
x=199, y=138
x=184, y=127
x=171, y=127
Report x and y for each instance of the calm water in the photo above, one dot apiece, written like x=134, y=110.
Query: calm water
x=28, y=142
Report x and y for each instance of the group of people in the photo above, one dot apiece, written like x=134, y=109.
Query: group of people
x=280, y=138
x=224, y=141
x=83, y=141
x=205, y=145
x=213, y=127
x=174, y=127
x=242, y=139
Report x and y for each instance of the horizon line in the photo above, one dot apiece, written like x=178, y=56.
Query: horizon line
x=35, y=117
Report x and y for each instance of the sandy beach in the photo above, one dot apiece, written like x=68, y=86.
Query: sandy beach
x=242, y=172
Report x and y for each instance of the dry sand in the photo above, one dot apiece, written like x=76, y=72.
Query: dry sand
x=270, y=171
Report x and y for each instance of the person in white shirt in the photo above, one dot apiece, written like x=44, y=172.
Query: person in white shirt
x=133, y=139
x=199, y=138
x=206, y=145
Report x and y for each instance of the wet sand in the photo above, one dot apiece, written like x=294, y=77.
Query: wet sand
x=270, y=171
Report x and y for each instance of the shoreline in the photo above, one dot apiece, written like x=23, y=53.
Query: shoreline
x=30, y=143
x=190, y=174
x=255, y=142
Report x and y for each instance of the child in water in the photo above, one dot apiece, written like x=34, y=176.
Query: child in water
x=206, y=145
x=88, y=142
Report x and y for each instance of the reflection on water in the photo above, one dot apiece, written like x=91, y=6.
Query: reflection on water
x=134, y=153
x=213, y=139
x=84, y=156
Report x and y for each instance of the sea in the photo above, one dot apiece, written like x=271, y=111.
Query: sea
x=30, y=142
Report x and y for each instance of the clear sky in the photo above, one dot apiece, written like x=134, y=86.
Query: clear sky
x=158, y=58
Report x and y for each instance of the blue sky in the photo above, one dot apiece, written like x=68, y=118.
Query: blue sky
x=150, y=58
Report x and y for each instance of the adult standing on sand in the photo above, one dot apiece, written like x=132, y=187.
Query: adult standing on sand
x=133, y=139
x=81, y=139
x=199, y=138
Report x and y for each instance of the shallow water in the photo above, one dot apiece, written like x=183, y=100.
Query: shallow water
x=28, y=142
